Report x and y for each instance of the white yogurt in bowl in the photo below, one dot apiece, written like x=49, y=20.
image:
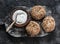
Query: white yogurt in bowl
x=19, y=16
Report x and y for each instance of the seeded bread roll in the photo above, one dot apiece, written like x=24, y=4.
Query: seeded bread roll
x=33, y=28
x=38, y=12
x=48, y=24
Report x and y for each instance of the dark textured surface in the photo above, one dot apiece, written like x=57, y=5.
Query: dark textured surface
x=53, y=38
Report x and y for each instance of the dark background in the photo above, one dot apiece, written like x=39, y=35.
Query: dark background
x=53, y=38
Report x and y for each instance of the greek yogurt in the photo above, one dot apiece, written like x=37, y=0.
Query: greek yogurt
x=19, y=16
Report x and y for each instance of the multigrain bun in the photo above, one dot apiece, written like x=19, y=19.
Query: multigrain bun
x=48, y=24
x=33, y=28
x=38, y=12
